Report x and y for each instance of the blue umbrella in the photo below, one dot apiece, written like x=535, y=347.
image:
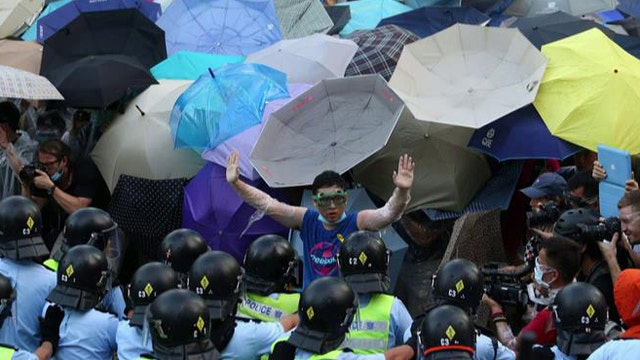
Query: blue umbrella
x=187, y=65
x=630, y=44
x=58, y=19
x=520, y=135
x=366, y=14
x=31, y=33
x=630, y=7
x=427, y=21
x=420, y=3
x=224, y=103
x=231, y=27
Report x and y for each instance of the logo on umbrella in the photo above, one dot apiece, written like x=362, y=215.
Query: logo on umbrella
x=488, y=139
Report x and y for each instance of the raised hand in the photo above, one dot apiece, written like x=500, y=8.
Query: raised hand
x=233, y=167
x=403, y=177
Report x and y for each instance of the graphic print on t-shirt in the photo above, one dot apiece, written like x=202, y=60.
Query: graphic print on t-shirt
x=323, y=258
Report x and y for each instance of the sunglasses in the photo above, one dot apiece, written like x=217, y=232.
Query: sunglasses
x=325, y=200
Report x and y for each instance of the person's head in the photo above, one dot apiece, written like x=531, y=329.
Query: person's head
x=626, y=295
x=271, y=265
x=50, y=126
x=21, y=229
x=629, y=214
x=181, y=247
x=364, y=263
x=557, y=263
x=447, y=332
x=53, y=158
x=9, y=116
x=547, y=187
x=80, y=119
x=147, y=283
x=571, y=224
x=459, y=282
x=583, y=190
x=90, y=226
x=329, y=191
x=584, y=159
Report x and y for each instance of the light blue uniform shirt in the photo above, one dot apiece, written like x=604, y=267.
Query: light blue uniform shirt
x=23, y=355
x=32, y=283
x=113, y=302
x=484, y=348
x=87, y=335
x=617, y=349
x=129, y=340
x=251, y=339
x=400, y=320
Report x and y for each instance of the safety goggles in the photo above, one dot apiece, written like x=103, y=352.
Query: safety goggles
x=335, y=198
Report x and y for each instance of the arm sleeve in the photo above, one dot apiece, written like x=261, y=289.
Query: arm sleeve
x=265, y=335
x=400, y=322
x=377, y=219
x=86, y=178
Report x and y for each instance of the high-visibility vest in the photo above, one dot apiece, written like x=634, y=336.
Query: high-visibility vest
x=370, y=335
x=51, y=264
x=268, y=309
x=6, y=352
x=331, y=355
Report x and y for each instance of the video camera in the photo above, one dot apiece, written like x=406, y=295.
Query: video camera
x=602, y=231
x=28, y=173
x=547, y=214
x=506, y=289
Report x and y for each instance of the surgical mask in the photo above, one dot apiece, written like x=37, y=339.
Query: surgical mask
x=538, y=273
x=57, y=176
x=327, y=222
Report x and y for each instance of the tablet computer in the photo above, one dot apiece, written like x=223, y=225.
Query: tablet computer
x=617, y=164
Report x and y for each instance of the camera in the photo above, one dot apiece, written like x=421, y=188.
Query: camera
x=601, y=231
x=506, y=289
x=548, y=213
x=28, y=173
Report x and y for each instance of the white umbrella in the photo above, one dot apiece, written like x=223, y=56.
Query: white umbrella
x=17, y=15
x=468, y=75
x=526, y=8
x=20, y=84
x=139, y=141
x=308, y=59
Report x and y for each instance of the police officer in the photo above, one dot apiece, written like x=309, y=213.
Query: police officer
x=180, y=248
x=447, y=332
x=149, y=281
x=271, y=265
x=218, y=278
x=383, y=320
x=85, y=332
x=20, y=244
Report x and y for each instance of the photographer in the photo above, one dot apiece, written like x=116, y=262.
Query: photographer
x=17, y=149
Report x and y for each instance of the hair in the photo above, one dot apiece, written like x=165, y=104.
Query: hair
x=563, y=255
x=52, y=119
x=586, y=181
x=631, y=198
x=55, y=147
x=9, y=114
x=326, y=179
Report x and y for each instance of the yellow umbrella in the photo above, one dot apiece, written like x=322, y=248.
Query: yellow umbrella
x=590, y=94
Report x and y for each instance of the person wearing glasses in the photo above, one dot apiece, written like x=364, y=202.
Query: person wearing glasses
x=324, y=228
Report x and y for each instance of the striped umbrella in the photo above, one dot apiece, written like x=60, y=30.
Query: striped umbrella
x=16, y=83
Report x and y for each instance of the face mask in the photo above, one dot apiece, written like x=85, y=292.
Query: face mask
x=327, y=222
x=57, y=176
x=538, y=273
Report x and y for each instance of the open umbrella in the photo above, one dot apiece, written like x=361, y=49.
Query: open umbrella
x=366, y=14
x=423, y=3
x=468, y=75
x=588, y=95
x=188, y=65
x=301, y=18
x=629, y=7
x=447, y=173
x=17, y=15
x=528, y=8
x=231, y=27
x=224, y=103
x=340, y=16
x=359, y=200
x=630, y=44
x=630, y=25
x=23, y=55
x=332, y=126
x=31, y=33
x=20, y=84
x=138, y=143
x=429, y=20
x=308, y=59
x=212, y=208
x=378, y=50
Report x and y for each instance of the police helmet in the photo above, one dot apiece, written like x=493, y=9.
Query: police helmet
x=364, y=263
x=88, y=226
x=20, y=229
x=181, y=247
x=149, y=281
x=567, y=224
x=459, y=282
x=270, y=264
x=7, y=296
x=449, y=329
x=82, y=278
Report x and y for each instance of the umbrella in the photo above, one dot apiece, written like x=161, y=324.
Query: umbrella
x=220, y=105
x=187, y=65
x=588, y=95
x=309, y=59
x=630, y=7
x=379, y=50
x=23, y=55
x=332, y=126
x=359, y=200
x=340, y=16
x=31, y=33
x=447, y=173
x=231, y=27
x=468, y=75
x=630, y=44
x=244, y=141
x=527, y=8
x=20, y=84
x=90, y=81
x=520, y=135
x=212, y=208
x=427, y=21
x=138, y=141
x=630, y=25
x=17, y=15
x=366, y=14
x=424, y=3
x=301, y=18
x=58, y=19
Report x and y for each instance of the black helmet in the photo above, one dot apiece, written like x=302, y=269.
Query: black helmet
x=82, y=278
x=149, y=281
x=217, y=277
x=7, y=296
x=88, y=226
x=326, y=309
x=449, y=329
x=459, y=282
x=181, y=247
x=20, y=229
x=364, y=262
x=580, y=315
x=180, y=327
x=271, y=264
x=567, y=224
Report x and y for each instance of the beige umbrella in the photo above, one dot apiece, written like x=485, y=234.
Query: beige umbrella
x=25, y=55
x=528, y=8
x=139, y=142
x=20, y=84
x=17, y=15
x=468, y=75
x=447, y=173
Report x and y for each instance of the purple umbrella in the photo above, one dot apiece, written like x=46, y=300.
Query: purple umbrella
x=212, y=208
x=243, y=142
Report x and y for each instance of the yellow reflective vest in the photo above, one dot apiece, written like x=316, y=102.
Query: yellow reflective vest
x=268, y=309
x=370, y=335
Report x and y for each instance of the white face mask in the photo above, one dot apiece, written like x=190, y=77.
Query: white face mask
x=538, y=274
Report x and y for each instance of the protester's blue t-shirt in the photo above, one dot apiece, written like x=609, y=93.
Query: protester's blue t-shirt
x=321, y=245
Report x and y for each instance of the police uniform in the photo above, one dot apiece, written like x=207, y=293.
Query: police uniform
x=337, y=354
x=87, y=335
x=268, y=308
x=251, y=339
x=9, y=353
x=129, y=340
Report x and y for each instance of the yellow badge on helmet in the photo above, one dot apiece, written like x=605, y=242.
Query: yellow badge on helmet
x=460, y=285
x=451, y=332
x=363, y=258
x=148, y=289
x=310, y=313
x=204, y=282
x=591, y=311
x=200, y=323
x=30, y=222
x=69, y=270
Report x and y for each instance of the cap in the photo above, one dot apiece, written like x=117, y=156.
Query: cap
x=547, y=184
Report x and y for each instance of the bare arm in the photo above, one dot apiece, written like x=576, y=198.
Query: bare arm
x=289, y=322
x=402, y=352
x=609, y=251
x=67, y=202
x=44, y=351
x=503, y=330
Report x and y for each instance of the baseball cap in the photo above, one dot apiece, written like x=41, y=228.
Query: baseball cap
x=547, y=184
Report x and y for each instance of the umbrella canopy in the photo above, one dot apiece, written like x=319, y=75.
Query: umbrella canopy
x=340, y=16
x=629, y=7
x=20, y=84
x=23, y=55
x=447, y=175
x=520, y=135
x=244, y=141
x=332, y=126
x=630, y=25
x=90, y=81
x=468, y=75
x=138, y=141
x=301, y=18
x=359, y=200
x=423, y=3
x=528, y=8
x=378, y=50
x=231, y=27
x=227, y=223
x=366, y=14
x=220, y=105
x=309, y=59
x=588, y=95
x=31, y=33
x=61, y=17
x=17, y=15
x=630, y=44
x=188, y=65
x=427, y=21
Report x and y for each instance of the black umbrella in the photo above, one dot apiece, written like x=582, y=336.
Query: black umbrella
x=630, y=44
x=98, y=81
x=340, y=15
